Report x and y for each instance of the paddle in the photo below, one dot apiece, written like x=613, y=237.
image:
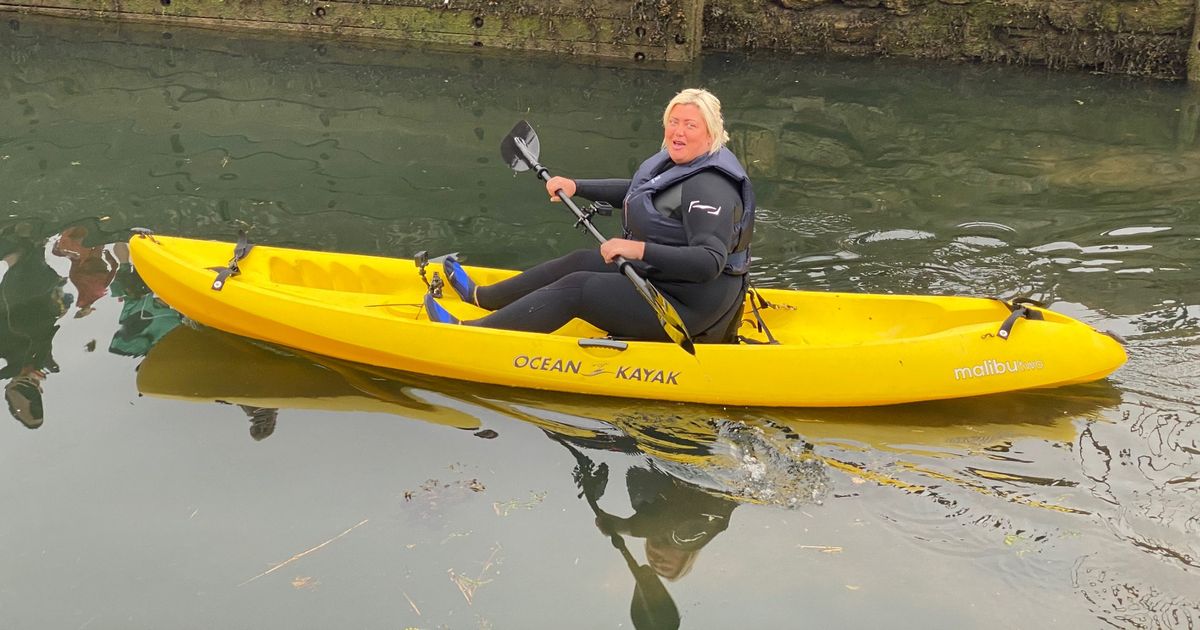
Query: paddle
x=651, y=607
x=520, y=149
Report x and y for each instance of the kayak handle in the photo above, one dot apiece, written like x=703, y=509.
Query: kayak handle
x=603, y=343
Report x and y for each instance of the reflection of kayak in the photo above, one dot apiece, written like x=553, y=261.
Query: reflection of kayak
x=758, y=455
x=208, y=365
x=835, y=349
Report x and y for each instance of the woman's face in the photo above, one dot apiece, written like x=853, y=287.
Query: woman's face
x=686, y=134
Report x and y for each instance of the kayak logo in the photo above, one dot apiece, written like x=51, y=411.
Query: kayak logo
x=547, y=364
x=621, y=372
x=992, y=367
x=646, y=375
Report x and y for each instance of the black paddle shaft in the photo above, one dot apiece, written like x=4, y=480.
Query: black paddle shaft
x=652, y=607
x=672, y=323
x=584, y=218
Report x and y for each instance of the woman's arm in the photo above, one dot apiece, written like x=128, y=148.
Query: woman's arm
x=608, y=190
x=612, y=191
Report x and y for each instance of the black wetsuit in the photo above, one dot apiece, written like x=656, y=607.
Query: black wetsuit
x=687, y=267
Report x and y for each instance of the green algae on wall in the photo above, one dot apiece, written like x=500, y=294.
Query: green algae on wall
x=658, y=30
x=1154, y=38
x=1135, y=37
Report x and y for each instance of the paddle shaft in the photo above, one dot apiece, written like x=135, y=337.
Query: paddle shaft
x=650, y=596
x=673, y=323
x=621, y=262
x=616, y=539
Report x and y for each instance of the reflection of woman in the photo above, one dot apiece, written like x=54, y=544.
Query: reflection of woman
x=675, y=518
x=688, y=217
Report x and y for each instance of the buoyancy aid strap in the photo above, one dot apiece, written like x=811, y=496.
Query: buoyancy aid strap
x=240, y=251
x=757, y=301
x=1018, y=308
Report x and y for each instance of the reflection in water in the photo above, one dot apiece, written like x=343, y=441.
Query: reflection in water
x=34, y=296
x=962, y=459
x=699, y=462
x=262, y=421
x=652, y=606
x=93, y=267
x=32, y=299
x=1145, y=470
x=144, y=317
x=693, y=476
x=675, y=518
x=203, y=364
x=748, y=454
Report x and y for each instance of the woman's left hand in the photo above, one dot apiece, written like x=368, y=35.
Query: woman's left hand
x=630, y=250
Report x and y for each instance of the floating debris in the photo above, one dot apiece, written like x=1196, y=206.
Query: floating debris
x=468, y=585
x=822, y=548
x=454, y=535
x=410, y=603
x=302, y=554
x=508, y=507
x=300, y=582
x=433, y=493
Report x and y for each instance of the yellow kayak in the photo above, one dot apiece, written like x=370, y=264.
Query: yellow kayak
x=833, y=350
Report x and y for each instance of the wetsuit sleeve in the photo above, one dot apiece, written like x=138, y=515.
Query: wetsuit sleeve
x=609, y=190
x=709, y=202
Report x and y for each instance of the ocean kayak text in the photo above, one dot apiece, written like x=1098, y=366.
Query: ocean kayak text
x=620, y=372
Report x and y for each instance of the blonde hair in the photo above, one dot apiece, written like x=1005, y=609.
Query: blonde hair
x=668, y=560
x=710, y=108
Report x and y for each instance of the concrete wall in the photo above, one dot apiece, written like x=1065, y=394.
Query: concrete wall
x=658, y=30
x=1135, y=37
x=1153, y=38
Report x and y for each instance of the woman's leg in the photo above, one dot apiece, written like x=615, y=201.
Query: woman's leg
x=505, y=292
x=604, y=299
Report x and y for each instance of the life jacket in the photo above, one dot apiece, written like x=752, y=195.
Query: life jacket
x=665, y=223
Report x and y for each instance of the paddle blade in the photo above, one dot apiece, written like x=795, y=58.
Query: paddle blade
x=517, y=159
x=668, y=317
x=652, y=607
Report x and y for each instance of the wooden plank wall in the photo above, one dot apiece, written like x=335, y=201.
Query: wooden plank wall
x=638, y=30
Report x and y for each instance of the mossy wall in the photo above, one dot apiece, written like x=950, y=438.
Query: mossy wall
x=653, y=30
x=1151, y=38
x=1136, y=37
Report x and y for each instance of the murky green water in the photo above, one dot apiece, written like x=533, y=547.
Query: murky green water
x=219, y=484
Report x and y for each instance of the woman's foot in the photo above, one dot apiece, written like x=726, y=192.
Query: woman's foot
x=459, y=280
x=436, y=313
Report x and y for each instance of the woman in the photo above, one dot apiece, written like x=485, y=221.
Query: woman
x=688, y=218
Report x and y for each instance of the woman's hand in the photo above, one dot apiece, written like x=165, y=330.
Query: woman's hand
x=556, y=183
x=630, y=250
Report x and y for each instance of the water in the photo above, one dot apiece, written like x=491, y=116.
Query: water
x=218, y=483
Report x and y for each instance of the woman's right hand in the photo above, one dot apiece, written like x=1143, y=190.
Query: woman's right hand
x=557, y=183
